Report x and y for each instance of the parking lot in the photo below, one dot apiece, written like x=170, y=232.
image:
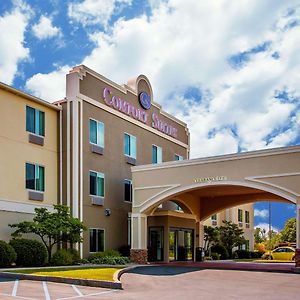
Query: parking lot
x=167, y=283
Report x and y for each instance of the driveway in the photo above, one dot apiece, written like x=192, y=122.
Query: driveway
x=156, y=283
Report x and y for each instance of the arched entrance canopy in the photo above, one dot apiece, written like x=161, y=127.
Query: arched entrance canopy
x=207, y=185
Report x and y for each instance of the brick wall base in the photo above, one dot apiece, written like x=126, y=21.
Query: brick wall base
x=297, y=258
x=139, y=256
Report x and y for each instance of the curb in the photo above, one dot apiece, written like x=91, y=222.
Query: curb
x=85, y=282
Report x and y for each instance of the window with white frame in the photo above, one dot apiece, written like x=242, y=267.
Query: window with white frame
x=178, y=157
x=35, y=177
x=96, y=240
x=35, y=121
x=96, y=184
x=127, y=190
x=240, y=215
x=130, y=145
x=97, y=133
x=156, y=154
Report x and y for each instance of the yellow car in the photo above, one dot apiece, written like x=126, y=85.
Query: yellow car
x=281, y=253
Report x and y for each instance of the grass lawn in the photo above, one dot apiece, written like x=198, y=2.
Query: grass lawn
x=82, y=273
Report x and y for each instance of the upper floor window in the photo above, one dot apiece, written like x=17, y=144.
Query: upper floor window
x=178, y=157
x=130, y=145
x=156, y=154
x=35, y=177
x=214, y=217
x=127, y=190
x=35, y=121
x=247, y=217
x=97, y=133
x=240, y=215
x=96, y=184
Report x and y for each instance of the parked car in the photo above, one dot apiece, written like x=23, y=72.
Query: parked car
x=280, y=253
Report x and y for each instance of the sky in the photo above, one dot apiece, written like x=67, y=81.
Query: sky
x=229, y=69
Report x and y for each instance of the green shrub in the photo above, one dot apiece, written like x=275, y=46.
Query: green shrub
x=215, y=256
x=7, y=254
x=30, y=253
x=220, y=250
x=242, y=254
x=75, y=255
x=110, y=260
x=207, y=258
x=83, y=261
x=62, y=257
x=256, y=254
x=111, y=252
x=106, y=253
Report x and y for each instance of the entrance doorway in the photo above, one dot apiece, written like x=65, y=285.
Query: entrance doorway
x=155, y=247
x=181, y=244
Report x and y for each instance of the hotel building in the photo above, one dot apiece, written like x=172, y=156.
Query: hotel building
x=80, y=152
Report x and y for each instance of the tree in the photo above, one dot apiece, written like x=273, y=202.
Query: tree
x=211, y=235
x=52, y=227
x=259, y=235
x=231, y=236
x=288, y=233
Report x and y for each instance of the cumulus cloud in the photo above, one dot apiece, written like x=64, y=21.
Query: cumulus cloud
x=185, y=44
x=261, y=213
x=44, y=29
x=12, y=49
x=92, y=12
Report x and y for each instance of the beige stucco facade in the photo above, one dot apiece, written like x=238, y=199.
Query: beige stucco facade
x=16, y=151
x=207, y=186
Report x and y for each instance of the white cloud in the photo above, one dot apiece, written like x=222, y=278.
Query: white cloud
x=186, y=44
x=12, y=50
x=91, y=12
x=44, y=29
x=265, y=226
x=263, y=213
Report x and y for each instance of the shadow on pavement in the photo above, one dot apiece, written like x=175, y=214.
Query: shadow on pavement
x=163, y=271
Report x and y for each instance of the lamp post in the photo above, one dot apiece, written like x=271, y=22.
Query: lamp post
x=270, y=225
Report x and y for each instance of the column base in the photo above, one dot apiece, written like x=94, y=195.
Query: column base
x=139, y=256
x=297, y=258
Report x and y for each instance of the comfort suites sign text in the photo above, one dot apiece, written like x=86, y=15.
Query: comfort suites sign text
x=138, y=113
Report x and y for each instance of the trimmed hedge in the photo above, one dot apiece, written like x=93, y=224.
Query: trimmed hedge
x=110, y=260
x=215, y=256
x=62, y=257
x=75, y=255
x=220, y=250
x=242, y=254
x=107, y=253
x=256, y=254
x=7, y=254
x=30, y=253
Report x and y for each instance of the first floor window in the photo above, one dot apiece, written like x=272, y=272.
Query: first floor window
x=156, y=154
x=129, y=145
x=35, y=177
x=240, y=215
x=127, y=190
x=35, y=121
x=96, y=240
x=96, y=184
x=178, y=157
x=247, y=217
x=97, y=133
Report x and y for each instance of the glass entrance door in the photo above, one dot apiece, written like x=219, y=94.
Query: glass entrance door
x=155, y=247
x=181, y=244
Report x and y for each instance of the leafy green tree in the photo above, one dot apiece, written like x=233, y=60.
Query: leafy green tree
x=211, y=235
x=231, y=236
x=288, y=233
x=52, y=227
x=259, y=235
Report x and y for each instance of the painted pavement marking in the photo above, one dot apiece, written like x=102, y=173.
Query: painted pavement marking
x=15, y=288
x=20, y=297
x=45, y=287
x=76, y=290
x=89, y=295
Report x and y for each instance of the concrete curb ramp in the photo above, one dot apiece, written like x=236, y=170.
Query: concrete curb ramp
x=76, y=281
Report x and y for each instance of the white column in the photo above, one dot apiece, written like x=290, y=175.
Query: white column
x=138, y=231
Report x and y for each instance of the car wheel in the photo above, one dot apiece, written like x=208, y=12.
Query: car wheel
x=270, y=257
x=293, y=258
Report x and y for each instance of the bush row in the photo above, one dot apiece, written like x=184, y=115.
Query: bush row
x=246, y=254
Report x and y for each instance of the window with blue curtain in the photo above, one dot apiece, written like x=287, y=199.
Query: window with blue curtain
x=35, y=177
x=130, y=145
x=35, y=121
x=97, y=133
x=96, y=184
x=156, y=154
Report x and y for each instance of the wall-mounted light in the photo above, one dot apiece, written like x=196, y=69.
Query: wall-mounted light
x=107, y=212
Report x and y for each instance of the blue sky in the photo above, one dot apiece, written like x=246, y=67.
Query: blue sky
x=230, y=69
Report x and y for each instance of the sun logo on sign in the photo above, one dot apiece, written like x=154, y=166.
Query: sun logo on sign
x=145, y=100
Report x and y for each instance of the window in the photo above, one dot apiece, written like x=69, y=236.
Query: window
x=214, y=217
x=129, y=230
x=97, y=133
x=127, y=190
x=214, y=221
x=96, y=184
x=247, y=217
x=96, y=240
x=35, y=121
x=130, y=145
x=240, y=215
x=178, y=157
x=35, y=177
x=156, y=154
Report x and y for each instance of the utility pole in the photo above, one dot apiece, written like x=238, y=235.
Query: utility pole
x=270, y=225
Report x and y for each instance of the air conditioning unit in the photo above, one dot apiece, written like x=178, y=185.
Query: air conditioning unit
x=214, y=223
x=240, y=224
x=247, y=225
